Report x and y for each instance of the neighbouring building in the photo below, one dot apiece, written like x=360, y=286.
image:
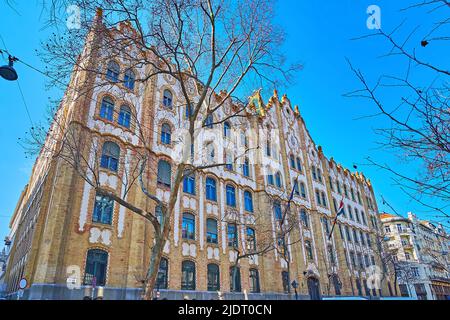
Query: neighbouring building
x=420, y=253
x=65, y=230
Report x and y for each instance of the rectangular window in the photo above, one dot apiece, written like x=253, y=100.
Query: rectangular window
x=232, y=236
x=211, y=231
x=103, y=210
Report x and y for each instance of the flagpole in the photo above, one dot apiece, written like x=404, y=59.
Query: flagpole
x=335, y=221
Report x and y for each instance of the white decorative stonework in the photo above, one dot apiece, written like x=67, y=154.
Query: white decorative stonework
x=189, y=250
x=213, y=253
x=108, y=180
x=167, y=247
x=232, y=256
x=307, y=233
x=99, y=236
x=193, y=204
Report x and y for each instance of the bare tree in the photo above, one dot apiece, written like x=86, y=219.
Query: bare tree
x=271, y=235
x=202, y=45
x=418, y=111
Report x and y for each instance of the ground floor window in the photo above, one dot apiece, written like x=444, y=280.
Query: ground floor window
x=213, y=277
x=96, y=266
x=235, y=279
x=254, y=281
x=188, y=275
x=161, y=281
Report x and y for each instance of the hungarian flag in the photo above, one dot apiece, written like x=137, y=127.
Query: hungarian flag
x=339, y=212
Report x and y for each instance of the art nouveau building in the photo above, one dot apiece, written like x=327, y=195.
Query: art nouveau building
x=420, y=251
x=67, y=231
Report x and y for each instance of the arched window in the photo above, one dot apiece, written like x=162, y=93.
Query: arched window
x=268, y=148
x=350, y=214
x=270, y=179
x=213, y=277
x=210, y=153
x=278, y=180
x=103, y=210
x=209, y=121
x=326, y=226
x=347, y=232
x=308, y=249
x=125, y=116
x=211, y=231
x=254, y=281
x=226, y=129
x=235, y=279
x=113, y=71
x=188, y=226
x=129, y=79
x=164, y=173
x=110, y=156
x=313, y=172
x=163, y=273
x=355, y=236
x=228, y=161
x=299, y=164
x=248, y=201
x=296, y=189
x=188, y=275
x=167, y=99
x=304, y=218
x=338, y=187
x=359, y=197
x=277, y=211
x=318, y=199
x=211, y=190
x=292, y=160
x=302, y=190
x=357, y=215
x=324, y=199
x=335, y=206
x=246, y=168
x=107, y=109
x=96, y=266
x=244, y=140
x=166, y=134
x=251, y=239
x=231, y=195
x=232, y=235
x=363, y=216
x=189, y=184
x=319, y=175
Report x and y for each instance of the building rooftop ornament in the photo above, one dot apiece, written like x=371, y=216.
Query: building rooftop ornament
x=256, y=104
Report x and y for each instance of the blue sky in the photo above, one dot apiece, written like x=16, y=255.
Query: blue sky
x=318, y=35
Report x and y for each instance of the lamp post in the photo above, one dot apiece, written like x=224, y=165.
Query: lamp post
x=8, y=72
x=295, y=286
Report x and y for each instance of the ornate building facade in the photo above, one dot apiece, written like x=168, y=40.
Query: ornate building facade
x=420, y=252
x=64, y=231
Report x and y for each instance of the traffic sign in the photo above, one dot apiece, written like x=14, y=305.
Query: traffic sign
x=23, y=283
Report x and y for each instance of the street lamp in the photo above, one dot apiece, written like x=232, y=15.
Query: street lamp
x=295, y=286
x=8, y=72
